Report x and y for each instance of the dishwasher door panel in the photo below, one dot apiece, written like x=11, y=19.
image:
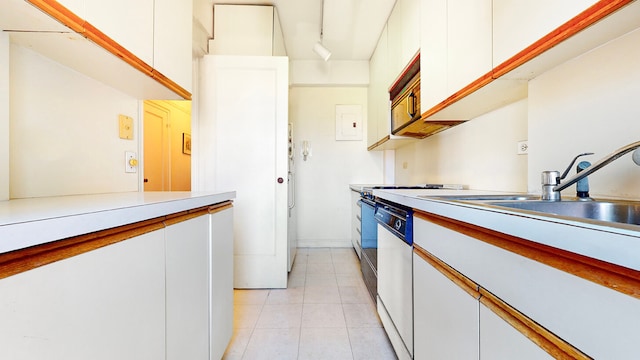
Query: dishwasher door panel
x=395, y=283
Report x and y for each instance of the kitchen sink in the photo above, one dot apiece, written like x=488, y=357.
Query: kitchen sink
x=625, y=212
x=506, y=197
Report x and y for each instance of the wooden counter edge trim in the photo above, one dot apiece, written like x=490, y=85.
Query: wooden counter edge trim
x=462, y=281
x=615, y=277
x=546, y=340
x=18, y=261
x=220, y=207
x=593, y=14
x=84, y=28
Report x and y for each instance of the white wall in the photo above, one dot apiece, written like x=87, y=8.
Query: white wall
x=64, y=131
x=589, y=104
x=323, y=200
x=480, y=154
x=329, y=73
x=4, y=116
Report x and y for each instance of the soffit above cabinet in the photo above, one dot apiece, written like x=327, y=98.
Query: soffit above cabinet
x=82, y=47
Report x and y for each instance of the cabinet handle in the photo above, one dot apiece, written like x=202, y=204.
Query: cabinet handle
x=411, y=105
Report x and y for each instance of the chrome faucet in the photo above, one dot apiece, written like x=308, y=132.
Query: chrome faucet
x=551, y=185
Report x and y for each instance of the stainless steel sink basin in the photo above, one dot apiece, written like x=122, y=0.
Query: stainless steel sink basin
x=625, y=212
x=506, y=197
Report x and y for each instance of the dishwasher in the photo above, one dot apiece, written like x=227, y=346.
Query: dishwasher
x=395, y=274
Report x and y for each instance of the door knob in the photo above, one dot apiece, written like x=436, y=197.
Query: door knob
x=280, y=180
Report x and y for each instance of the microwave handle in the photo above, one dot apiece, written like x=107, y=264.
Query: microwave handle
x=411, y=105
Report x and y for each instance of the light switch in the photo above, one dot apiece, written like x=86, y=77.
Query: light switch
x=130, y=162
x=126, y=127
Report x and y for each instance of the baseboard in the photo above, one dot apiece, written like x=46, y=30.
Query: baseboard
x=324, y=243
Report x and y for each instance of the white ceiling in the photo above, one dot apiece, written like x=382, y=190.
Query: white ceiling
x=351, y=27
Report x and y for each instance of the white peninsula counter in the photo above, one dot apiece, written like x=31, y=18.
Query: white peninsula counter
x=117, y=276
x=34, y=221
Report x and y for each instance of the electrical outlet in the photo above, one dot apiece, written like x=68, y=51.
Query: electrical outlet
x=523, y=147
x=130, y=162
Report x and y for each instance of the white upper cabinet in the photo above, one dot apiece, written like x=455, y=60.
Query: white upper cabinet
x=403, y=29
x=378, y=124
x=246, y=30
x=172, y=39
x=455, y=47
x=433, y=57
x=129, y=23
x=468, y=42
x=410, y=29
x=519, y=23
x=156, y=35
x=394, y=45
x=78, y=7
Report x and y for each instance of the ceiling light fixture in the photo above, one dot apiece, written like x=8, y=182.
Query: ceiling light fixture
x=322, y=51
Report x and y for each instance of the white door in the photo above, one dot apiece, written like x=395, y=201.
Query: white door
x=243, y=147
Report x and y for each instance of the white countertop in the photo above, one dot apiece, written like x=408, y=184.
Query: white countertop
x=596, y=239
x=34, y=221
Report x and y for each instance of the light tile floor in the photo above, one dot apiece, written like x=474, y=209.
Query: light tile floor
x=325, y=313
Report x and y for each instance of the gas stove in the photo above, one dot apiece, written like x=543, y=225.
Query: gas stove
x=367, y=191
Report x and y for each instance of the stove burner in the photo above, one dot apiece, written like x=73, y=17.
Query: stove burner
x=426, y=186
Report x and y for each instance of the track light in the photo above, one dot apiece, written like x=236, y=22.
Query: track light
x=322, y=51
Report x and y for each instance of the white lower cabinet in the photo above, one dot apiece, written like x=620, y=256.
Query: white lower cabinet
x=568, y=314
x=187, y=273
x=200, y=286
x=356, y=222
x=166, y=294
x=104, y=304
x=445, y=316
x=451, y=323
x=501, y=341
x=221, y=287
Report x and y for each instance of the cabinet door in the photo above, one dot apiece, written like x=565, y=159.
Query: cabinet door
x=501, y=341
x=172, y=40
x=129, y=23
x=394, y=44
x=519, y=23
x=410, y=29
x=187, y=272
x=446, y=317
x=356, y=223
x=108, y=303
x=433, y=58
x=221, y=296
x=378, y=103
x=469, y=42
x=76, y=6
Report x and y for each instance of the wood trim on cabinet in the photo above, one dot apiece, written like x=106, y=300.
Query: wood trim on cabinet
x=593, y=14
x=84, y=28
x=18, y=261
x=615, y=277
x=542, y=337
x=220, y=207
x=450, y=273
